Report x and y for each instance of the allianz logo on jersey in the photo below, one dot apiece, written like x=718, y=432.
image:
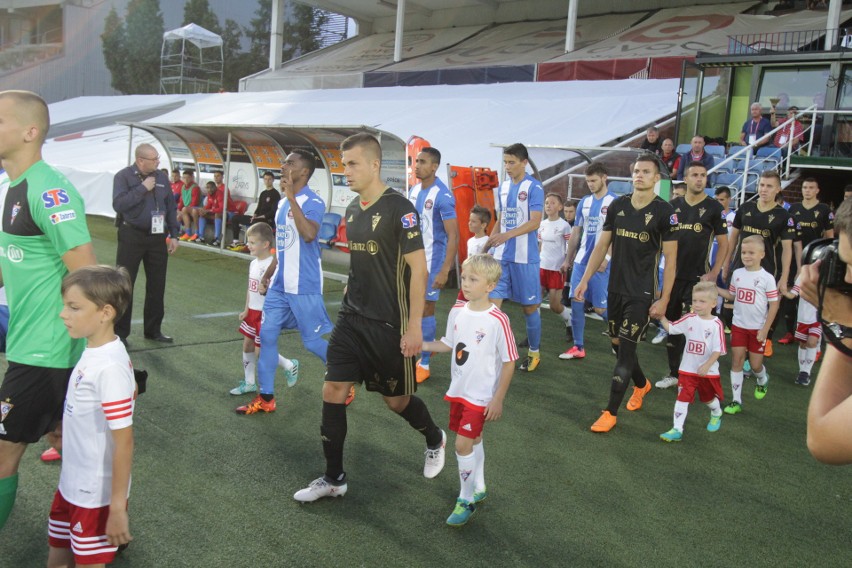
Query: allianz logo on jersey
x=12, y=252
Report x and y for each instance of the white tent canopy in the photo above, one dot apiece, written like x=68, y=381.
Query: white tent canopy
x=196, y=35
x=461, y=121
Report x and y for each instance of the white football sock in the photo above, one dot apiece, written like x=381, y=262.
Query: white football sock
x=479, y=474
x=737, y=386
x=680, y=410
x=467, y=465
x=249, y=366
x=285, y=363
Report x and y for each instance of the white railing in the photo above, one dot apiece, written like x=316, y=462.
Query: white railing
x=747, y=154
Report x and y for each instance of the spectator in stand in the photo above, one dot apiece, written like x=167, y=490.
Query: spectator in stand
x=267, y=205
x=177, y=185
x=678, y=190
x=792, y=129
x=651, y=143
x=190, y=198
x=756, y=128
x=668, y=155
x=695, y=154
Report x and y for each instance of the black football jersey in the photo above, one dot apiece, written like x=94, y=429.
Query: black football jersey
x=637, y=241
x=774, y=226
x=696, y=230
x=379, y=277
x=812, y=223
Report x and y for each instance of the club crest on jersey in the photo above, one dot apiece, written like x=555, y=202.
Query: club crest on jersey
x=707, y=333
x=701, y=212
x=54, y=198
x=480, y=335
x=789, y=222
x=5, y=408
x=409, y=220
x=672, y=219
x=290, y=214
x=604, y=209
x=15, y=209
x=772, y=218
x=78, y=378
x=522, y=196
x=428, y=204
x=649, y=216
x=816, y=214
x=375, y=221
x=620, y=214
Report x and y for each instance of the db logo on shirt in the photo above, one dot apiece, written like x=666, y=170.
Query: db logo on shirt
x=745, y=296
x=54, y=198
x=695, y=347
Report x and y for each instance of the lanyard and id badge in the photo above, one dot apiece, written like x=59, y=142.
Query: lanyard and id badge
x=158, y=222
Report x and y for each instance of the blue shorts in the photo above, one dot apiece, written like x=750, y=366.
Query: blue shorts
x=597, y=289
x=432, y=294
x=305, y=312
x=519, y=283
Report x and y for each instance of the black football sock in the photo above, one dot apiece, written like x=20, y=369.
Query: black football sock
x=418, y=416
x=333, y=434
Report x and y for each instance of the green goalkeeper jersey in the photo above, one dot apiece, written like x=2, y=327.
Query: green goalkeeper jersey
x=42, y=218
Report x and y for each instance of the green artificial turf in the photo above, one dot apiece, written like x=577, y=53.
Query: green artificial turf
x=211, y=488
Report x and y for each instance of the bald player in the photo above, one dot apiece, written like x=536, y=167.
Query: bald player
x=44, y=236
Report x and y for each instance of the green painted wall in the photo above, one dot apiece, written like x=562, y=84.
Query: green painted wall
x=739, y=101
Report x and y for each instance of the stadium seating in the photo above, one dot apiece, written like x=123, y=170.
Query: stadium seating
x=328, y=229
x=620, y=187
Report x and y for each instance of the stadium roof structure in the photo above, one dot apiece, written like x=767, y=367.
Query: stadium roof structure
x=511, y=42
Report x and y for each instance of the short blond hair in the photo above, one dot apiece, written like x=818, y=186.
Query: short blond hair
x=483, y=265
x=262, y=231
x=708, y=288
x=756, y=240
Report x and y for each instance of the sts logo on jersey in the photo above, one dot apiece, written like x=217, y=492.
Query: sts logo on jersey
x=409, y=220
x=54, y=198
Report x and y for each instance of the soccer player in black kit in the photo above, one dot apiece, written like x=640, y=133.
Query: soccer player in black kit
x=700, y=220
x=378, y=329
x=639, y=226
x=814, y=220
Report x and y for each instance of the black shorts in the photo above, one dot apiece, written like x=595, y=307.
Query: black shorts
x=31, y=402
x=628, y=316
x=366, y=351
x=681, y=299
